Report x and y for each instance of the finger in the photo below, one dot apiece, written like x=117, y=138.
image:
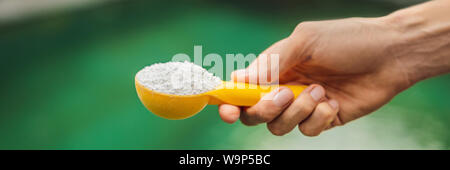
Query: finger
x=322, y=117
x=268, y=108
x=229, y=113
x=298, y=111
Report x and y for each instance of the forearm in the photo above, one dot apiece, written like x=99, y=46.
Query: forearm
x=423, y=48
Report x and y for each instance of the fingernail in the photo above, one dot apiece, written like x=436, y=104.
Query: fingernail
x=317, y=93
x=282, y=97
x=333, y=103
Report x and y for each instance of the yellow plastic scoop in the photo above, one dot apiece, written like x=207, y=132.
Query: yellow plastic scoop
x=171, y=106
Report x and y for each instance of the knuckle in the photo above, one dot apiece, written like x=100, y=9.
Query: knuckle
x=246, y=122
x=252, y=112
x=257, y=114
x=325, y=112
x=304, y=28
x=246, y=119
x=275, y=129
x=302, y=25
x=307, y=131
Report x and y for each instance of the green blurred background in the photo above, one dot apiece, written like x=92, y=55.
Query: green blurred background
x=69, y=75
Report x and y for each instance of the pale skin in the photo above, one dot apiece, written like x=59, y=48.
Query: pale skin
x=352, y=67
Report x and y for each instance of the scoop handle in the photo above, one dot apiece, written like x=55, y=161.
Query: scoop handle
x=244, y=94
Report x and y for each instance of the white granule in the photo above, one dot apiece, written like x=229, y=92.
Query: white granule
x=179, y=78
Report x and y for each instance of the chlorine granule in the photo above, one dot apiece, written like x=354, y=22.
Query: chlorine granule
x=178, y=78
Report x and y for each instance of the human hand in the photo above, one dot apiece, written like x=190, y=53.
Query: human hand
x=352, y=67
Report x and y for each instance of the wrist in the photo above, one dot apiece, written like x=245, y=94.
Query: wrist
x=400, y=53
x=420, y=48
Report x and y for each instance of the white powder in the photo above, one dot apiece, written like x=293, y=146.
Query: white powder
x=179, y=78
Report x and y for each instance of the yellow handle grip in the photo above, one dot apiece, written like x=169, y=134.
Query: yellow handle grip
x=244, y=94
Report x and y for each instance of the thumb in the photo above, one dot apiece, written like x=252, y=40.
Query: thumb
x=270, y=64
